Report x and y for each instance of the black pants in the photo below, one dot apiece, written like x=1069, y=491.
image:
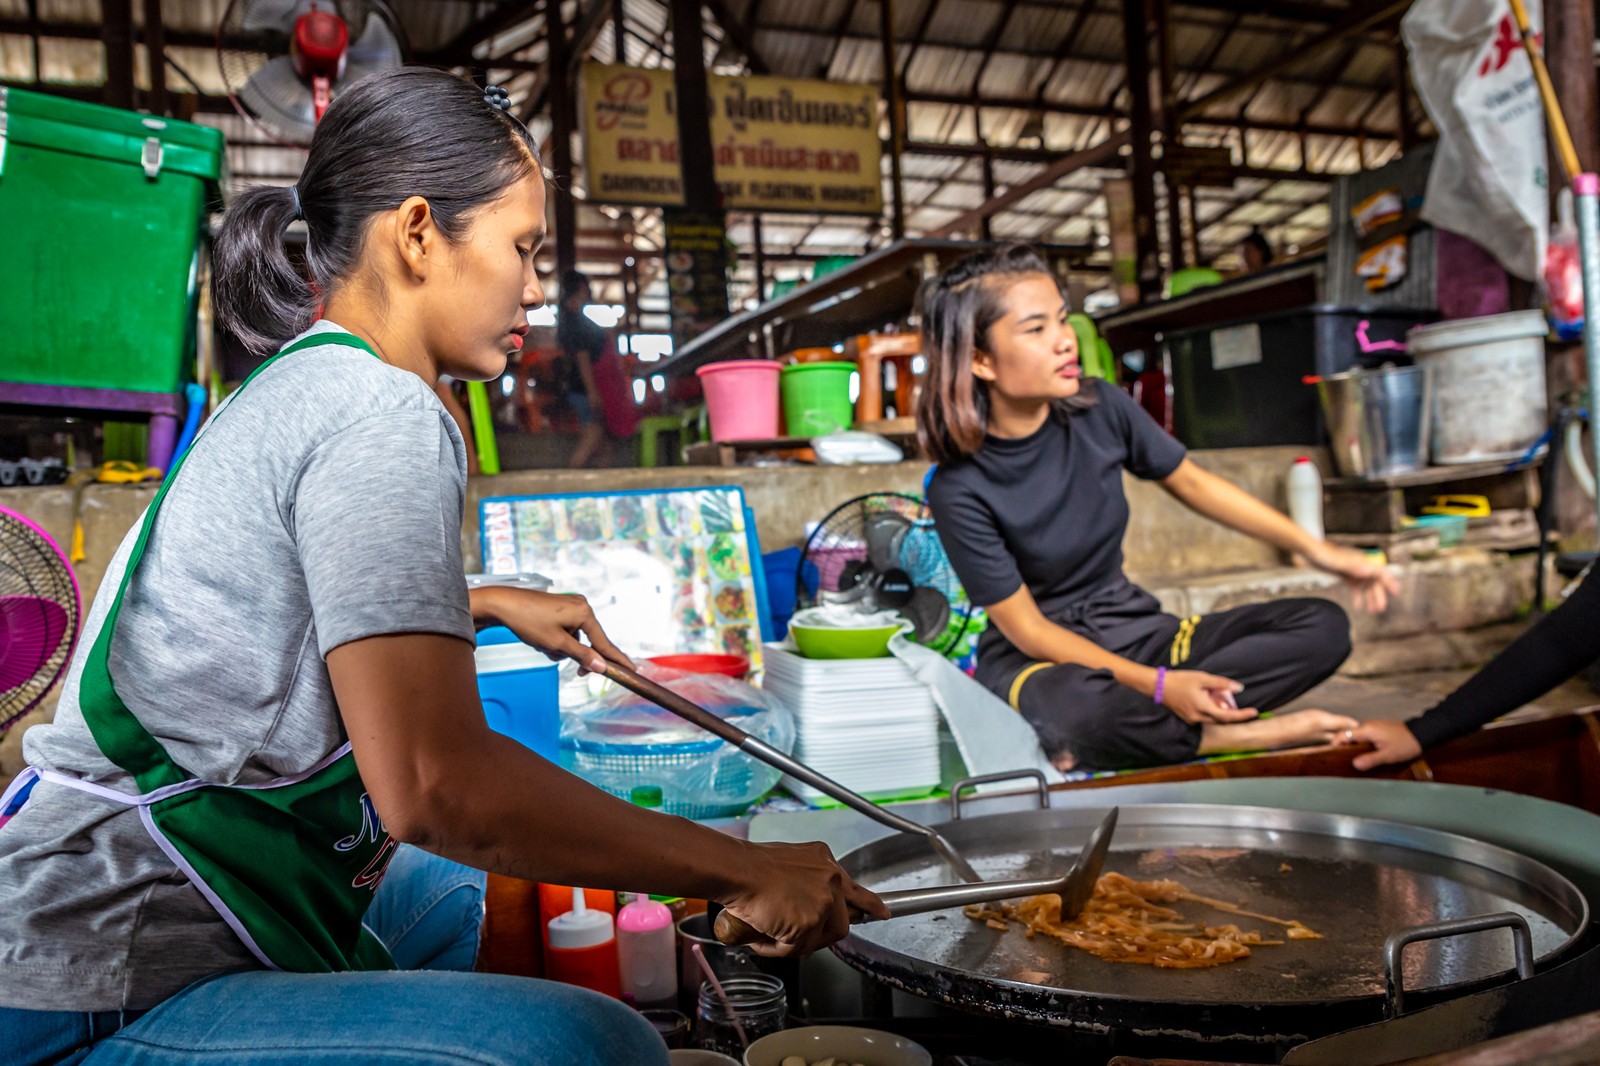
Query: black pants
x=1277, y=650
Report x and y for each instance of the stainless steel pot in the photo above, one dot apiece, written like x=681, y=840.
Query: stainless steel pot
x=1379, y=420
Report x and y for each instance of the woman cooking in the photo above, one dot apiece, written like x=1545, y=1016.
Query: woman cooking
x=274, y=700
x=1029, y=503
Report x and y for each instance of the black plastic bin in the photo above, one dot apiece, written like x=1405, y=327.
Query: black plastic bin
x=1241, y=384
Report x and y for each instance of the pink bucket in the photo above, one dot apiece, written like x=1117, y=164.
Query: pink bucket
x=741, y=398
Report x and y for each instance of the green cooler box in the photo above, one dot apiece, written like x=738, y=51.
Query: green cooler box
x=105, y=212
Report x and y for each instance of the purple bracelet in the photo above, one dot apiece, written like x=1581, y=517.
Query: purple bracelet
x=1161, y=682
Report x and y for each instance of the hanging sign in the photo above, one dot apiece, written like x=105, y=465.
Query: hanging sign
x=780, y=144
x=697, y=272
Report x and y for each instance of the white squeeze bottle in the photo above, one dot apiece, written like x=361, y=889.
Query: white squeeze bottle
x=1305, y=496
x=647, y=950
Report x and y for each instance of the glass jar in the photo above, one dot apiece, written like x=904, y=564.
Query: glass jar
x=756, y=1006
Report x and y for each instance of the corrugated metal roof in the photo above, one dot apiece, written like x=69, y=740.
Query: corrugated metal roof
x=1080, y=78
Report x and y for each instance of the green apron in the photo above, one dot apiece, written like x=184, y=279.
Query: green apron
x=290, y=864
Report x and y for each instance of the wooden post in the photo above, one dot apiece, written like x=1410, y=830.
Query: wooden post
x=619, y=32
x=34, y=35
x=694, y=111
x=118, y=37
x=1194, y=224
x=1171, y=125
x=760, y=250
x=988, y=187
x=1142, y=170
x=155, y=50
x=1402, y=89
x=561, y=122
x=891, y=98
x=1569, y=33
x=630, y=294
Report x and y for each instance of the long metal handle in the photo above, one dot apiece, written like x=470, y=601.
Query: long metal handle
x=734, y=931
x=760, y=749
x=1521, y=937
x=921, y=900
x=989, y=779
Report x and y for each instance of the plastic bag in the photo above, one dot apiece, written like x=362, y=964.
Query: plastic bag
x=1563, y=273
x=629, y=746
x=1488, y=180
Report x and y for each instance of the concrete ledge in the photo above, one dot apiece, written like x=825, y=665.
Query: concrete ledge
x=1163, y=537
x=1466, y=589
x=1465, y=650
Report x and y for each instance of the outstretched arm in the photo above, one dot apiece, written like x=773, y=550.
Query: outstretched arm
x=1220, y=500
x=1550, y=652
x=442, y=780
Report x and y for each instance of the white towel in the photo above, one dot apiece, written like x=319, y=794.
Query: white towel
x=990, y=735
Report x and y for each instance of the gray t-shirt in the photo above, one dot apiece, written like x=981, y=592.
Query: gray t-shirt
x=321, y=505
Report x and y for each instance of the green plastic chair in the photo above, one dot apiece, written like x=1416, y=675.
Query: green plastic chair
x=483, y=428
x=650, y=430
x=689, y=425
x=1093, y=353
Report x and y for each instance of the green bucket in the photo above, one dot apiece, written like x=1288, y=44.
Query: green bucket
x=816, y=398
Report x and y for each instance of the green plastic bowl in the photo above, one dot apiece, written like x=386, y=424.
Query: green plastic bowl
x=843, y=643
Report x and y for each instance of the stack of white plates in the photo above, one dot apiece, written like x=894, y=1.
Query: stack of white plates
x=866, y=723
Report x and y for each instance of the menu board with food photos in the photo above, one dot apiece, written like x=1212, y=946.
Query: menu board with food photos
x=675, y=571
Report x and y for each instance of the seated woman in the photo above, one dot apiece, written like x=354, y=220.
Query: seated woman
x=1028, y=500
x=1552, y=651
x=274, y=698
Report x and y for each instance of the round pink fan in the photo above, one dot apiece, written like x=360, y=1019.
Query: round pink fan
x=40, y=610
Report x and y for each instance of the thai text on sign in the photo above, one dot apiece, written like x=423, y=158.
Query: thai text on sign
x=778, y=144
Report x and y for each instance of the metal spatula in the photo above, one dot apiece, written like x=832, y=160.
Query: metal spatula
x=753, y=746
x=1074, y=888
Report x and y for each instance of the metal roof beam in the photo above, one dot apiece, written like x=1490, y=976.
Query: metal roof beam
x=591, y=20
x=734, y=30
x=502, y=17
x=1370, y=17
x=1104, y=111
x=1023, y=53
x=88, y=31
x=1064, y=49
x=916, y=38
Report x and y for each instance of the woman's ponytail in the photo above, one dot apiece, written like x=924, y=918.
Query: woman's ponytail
x=260, y=295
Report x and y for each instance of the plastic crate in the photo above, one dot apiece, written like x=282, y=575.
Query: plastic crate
x=1254, y=395
x=105, y=213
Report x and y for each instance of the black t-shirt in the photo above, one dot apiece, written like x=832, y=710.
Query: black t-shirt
x=1048, y=510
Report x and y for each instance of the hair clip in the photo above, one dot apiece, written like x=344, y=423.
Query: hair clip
x=497, y=97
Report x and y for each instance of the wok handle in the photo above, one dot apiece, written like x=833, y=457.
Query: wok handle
x=1521, y=938
x=989, y=779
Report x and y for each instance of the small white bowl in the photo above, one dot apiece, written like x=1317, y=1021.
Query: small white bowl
x=846, y=1043
x=697, y=1057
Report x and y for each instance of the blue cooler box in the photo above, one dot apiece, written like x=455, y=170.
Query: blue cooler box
x=519, y=687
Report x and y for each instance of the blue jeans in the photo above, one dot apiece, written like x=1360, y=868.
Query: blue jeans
x=428, y=912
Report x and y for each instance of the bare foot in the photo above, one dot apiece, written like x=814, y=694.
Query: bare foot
x=1294, y=730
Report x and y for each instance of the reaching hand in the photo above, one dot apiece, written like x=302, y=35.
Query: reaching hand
x=1197, y=697
x=1394, y=743
x=1371, y=584
x=800, y=898
x=552, y=622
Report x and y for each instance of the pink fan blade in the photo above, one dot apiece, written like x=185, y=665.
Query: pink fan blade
x=30, y=633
